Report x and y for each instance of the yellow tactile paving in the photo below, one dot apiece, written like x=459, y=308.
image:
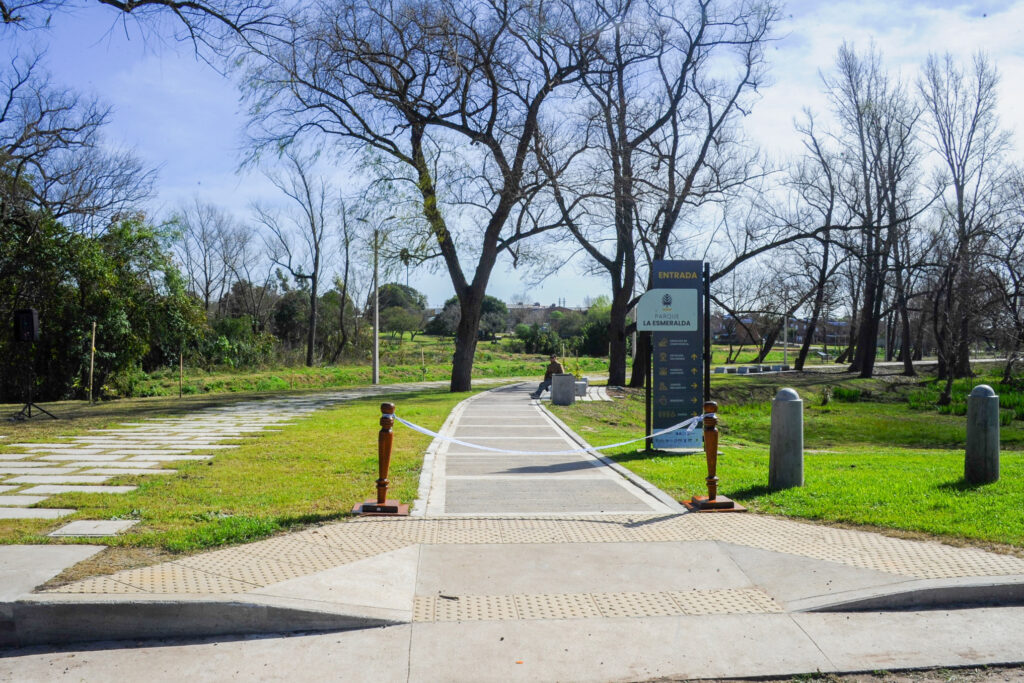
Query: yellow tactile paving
x=171, y=577
x=592, y=605
x=277, y=559
x=99, y=584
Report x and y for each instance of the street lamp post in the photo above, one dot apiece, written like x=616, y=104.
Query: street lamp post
x=376, y=296
x=785, y=338
x=376, y=307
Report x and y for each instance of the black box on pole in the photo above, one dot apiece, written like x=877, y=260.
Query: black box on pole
x=26, y=325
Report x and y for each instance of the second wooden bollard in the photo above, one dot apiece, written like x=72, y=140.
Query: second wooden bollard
x=712, y=502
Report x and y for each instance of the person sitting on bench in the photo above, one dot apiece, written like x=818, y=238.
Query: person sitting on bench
x=554, y=368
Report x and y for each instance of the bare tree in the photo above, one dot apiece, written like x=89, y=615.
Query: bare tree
x=210, y=23
x=451, y=95
x=656, y=136
x=347, y=282
x=209, y=248
x=815, y=183
x=965, y=133
x=1006, y=259
x=52, y=157
x=298, y=239
x=252, y=291
x=877, y=168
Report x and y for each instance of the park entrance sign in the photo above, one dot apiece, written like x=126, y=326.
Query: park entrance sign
x=673, y=313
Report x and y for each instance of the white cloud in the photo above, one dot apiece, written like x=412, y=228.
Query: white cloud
x=905, y=33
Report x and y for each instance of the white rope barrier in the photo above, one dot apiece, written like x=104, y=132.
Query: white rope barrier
x=689, y=425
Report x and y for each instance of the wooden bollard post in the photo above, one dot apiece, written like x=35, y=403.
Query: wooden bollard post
x=385, y=439
x=381, y=506
x=712, y=502
x=711, y=447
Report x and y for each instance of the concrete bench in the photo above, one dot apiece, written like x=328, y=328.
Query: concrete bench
x=563, y=389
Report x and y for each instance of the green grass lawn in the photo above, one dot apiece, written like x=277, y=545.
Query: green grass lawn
x=313, y=471
x=875, y=462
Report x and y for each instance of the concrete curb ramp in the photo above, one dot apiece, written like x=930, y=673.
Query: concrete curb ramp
x=32, y=622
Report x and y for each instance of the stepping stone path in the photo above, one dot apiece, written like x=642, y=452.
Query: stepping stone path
x=93, y=529
x=84, y=463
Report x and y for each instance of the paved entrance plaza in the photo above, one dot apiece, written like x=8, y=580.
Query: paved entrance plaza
x=520, y=566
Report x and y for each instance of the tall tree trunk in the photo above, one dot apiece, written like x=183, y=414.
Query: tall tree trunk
x=470, y=305
x=819, y=301
x=768, y=343
x=617, y=336
x=641, y=361
x=867, y=333
x=903, y=310
x=311, y=336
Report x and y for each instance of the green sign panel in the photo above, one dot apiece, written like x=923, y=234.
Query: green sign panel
x=674, y=316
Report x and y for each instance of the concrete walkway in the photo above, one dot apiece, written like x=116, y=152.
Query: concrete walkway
x=465, y=481
x=546, y=568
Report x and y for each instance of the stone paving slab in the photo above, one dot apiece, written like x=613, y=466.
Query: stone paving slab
x=34, y=513
x=59, y=479
x=167, y=458
x=53, y=489
x=41, y=469
x=21, y=500
x=89, y=528
x=131, y=464
x=114, y=471
x=79, y=455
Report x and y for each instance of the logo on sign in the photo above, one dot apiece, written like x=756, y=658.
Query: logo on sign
x=668, y=311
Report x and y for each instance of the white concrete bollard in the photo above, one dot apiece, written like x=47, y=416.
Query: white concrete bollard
x=563, y=389
x=981, y=461
x=786, y=453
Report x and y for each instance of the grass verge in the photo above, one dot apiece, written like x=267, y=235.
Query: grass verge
x=312, y=471
x=875, y=462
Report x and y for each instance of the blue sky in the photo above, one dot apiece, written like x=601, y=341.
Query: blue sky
x=184, y=118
